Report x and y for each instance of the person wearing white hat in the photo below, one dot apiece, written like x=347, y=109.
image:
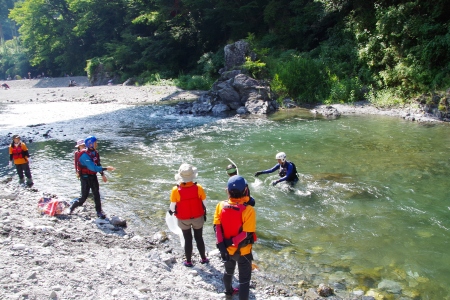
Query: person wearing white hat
x=187, y=202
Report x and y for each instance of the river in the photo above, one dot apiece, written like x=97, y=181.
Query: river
x=370, y=211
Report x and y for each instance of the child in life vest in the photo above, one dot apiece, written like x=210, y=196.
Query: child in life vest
x=235, y=227
x=80, y=146
x=187, y=201
x=18, y=153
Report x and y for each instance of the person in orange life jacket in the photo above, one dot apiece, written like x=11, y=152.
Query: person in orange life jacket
x=287, y=170
x=18, y=153
x=235, y=227
x=231, y=171
x=187, y=202
x=89, y=163
x=80, y=146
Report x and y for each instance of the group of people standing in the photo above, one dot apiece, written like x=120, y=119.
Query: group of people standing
x=234, y=220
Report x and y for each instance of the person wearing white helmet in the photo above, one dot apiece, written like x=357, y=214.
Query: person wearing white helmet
x=287, y=170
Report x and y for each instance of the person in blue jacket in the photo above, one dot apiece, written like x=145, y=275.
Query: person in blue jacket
x=287, y=170
x=89, y=165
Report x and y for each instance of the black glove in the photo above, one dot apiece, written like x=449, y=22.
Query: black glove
x=274, y=182
x=252, y=201
x=228, y=242
x=170, y=212
x=204, y=217
x=258, y=173
x=223, y=252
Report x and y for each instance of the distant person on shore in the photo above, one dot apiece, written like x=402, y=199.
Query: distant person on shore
x=287, y=170
x=188, y=203
x=18, y=153
x=233, y=170
x=5, y=86
x=235, y=227
x=89, y=164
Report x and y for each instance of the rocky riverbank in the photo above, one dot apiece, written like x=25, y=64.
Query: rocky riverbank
x=82, y=257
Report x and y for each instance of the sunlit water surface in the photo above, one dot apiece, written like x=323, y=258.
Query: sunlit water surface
x=372, y=203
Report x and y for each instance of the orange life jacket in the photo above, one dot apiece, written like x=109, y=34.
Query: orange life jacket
x=190, y=205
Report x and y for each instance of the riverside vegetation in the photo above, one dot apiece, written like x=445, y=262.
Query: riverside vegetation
x=311, y=51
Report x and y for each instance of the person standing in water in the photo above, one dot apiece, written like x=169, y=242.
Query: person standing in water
x=287, y=170
x=188, y=203
x=18, y=153
x=89, y=164
x=231, y=171
x=235, y=228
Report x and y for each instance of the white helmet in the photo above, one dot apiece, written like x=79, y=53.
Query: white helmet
x=281, y=156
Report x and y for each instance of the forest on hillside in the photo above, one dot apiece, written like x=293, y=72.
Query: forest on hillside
x=310, y=50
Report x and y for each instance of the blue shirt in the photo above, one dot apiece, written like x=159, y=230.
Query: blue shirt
x=289, y=171
x=87, y=162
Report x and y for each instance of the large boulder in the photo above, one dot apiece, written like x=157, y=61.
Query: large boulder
x=234, y=90
x=235, y=54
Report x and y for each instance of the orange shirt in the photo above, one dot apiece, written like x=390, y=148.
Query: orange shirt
x=175, y=195
x=22, y=160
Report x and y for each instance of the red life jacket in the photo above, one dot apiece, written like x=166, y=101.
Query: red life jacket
x=231, y=219
x=17, y=152
x=190, y=205
x=93, y=154
x=77, y=155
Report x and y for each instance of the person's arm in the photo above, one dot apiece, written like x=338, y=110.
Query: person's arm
x=25, y=152
x=174, y=198
x=276, y=167
x=86, y=161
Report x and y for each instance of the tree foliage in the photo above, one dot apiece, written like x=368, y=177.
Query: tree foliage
x=356, y=45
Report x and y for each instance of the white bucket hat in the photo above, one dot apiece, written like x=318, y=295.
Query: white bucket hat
x=186, y=173
x=79, y=143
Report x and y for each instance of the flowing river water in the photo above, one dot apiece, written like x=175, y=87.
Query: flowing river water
x=370, y=211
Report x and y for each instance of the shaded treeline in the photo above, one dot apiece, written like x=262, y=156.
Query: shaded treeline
x=312, y=50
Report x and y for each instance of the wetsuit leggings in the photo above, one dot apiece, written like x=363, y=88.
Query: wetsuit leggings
x=23, y=168
x=245, y=275
x=89, y=182
x=198, y=235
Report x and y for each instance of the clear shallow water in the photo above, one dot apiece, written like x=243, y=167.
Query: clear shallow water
x=372, y=203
